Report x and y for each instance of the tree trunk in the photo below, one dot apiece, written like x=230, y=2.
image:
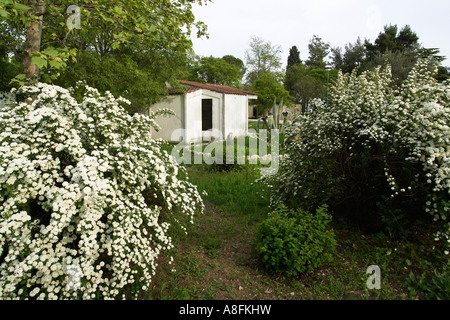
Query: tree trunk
x=33, y=39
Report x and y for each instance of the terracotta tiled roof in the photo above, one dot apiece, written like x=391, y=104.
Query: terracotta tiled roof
x=194, y=86
x=187, y=90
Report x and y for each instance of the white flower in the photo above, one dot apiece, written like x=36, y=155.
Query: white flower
x=34, y=292
x=92, y=203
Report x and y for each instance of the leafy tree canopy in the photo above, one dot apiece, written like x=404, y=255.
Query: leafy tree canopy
x=398, y=48
x=305, y=84
x=269, y=89
x=318, y=51
x=354, y=55
x=261, y=58
x=48, y=37
x=226, y=71
x=391, y=40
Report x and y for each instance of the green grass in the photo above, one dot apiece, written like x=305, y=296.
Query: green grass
x=253, y=125
x=233, y=192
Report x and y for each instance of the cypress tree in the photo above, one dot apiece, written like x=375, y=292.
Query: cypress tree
x=294, y=57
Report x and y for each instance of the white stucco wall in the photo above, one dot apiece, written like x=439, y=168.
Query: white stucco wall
x=236, y=115
x=169, y=124
x=193, y=116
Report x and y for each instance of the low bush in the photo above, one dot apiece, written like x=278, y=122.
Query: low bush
x=294, y=242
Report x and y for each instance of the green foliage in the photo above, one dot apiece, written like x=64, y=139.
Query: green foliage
x=268, y=88
x=294, y=242
x=306, y=84
x=140, y=41
x=139, y=76
x=370, y=143
x=293, y=58
x=235, y=62
x=392, y=217
x=400, y=62
x=443, y=74
x=8, y=70
x=436, y=287
x=392, y=40
x=262, y=58
x=398, y=48
x=272, y=122
x=318, y=51
x=217, y=71
x=353, y=56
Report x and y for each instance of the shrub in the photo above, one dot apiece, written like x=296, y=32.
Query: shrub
x=84, y=196
x=373, y=141
x=294, y=242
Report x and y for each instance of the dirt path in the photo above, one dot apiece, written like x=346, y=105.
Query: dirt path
x=219, y=263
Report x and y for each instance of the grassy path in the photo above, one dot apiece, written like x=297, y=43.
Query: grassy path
x=216, y=259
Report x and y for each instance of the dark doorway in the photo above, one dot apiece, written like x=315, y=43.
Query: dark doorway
x=207, y=120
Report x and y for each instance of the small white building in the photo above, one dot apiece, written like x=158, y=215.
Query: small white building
x=203, y=111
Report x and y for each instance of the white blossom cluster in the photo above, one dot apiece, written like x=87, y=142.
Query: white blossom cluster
x=83, y=190
x=367, y=114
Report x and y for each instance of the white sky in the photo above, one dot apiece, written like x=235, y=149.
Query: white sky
x=231, y=23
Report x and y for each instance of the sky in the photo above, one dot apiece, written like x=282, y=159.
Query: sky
x=287, y=23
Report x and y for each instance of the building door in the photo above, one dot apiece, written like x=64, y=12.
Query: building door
x=207, y=118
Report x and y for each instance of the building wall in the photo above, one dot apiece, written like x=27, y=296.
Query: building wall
x=193, y=124
x=230, y=115
x=236, y=115
x=170, y=123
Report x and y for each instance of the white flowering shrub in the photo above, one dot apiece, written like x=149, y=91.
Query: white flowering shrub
x=373, y=147
x=85, y=193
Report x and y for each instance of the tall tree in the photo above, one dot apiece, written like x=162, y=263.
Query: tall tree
x=391, y=40
x=318, y=51
x=354, y=55
x=33, y=37
x=294, y=57
x=292, y=61
x=401, y=49
x=306, y=84
x=138, y=74
x=262, y=57
x=131, y=48
x=407, y=39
